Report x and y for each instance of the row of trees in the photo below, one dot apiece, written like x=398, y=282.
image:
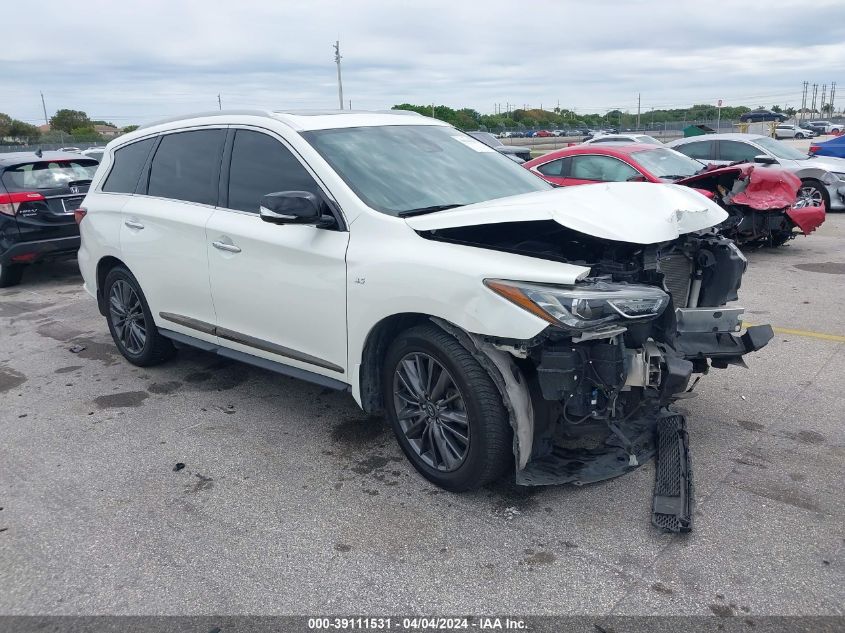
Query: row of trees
x=559, y=118
x=75, y=123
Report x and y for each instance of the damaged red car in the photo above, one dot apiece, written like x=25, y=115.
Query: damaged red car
x=761, y=202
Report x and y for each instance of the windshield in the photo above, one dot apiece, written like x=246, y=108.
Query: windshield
x=780, y=150
x=47, y=174
x=402, y=168
x=667, y=163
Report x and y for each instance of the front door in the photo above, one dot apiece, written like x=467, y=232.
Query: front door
x=279, y=291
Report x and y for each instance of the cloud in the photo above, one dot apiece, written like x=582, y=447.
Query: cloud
x=132, y=64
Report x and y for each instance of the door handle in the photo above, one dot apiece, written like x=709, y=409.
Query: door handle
x=223, y=246
x=132, y=224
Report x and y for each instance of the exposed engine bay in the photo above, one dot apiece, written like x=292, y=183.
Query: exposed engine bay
x=621, y=345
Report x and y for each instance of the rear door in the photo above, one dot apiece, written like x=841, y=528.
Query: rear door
x=54, y=188
x=162, y=235
x=279, y=290
x=735, y=151
x=700, y=150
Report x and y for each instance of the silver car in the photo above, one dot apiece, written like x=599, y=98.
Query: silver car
x=623, y=138
x=787, y=130
x=822, y=177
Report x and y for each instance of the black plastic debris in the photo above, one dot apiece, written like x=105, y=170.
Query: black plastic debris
x=179, y=466
x=75, y=349
x=673, y=490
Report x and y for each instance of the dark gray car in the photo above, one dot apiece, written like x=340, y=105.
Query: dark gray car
x=511, y=151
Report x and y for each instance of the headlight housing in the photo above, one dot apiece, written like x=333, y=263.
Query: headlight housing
x=838, y=174
x=585, y=305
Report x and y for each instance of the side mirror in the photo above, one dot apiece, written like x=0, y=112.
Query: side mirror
x=294, y=207
x=762, y=159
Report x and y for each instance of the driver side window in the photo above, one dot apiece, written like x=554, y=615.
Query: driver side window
x=261, y=165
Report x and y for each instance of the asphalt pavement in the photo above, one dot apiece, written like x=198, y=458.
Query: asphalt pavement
x=291, y=501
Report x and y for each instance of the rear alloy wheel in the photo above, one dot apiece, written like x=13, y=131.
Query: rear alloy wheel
x=10, y=275
x=811, y=194
x=131, y=323
x=446, y=412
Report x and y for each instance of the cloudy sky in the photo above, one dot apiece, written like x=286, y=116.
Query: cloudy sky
x=132, y=64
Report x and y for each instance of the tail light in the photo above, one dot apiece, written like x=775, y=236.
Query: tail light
x=79, y=213
x=814, y=149
x=11, y=202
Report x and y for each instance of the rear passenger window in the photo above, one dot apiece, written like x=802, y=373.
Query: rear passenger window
x=700, y=149
x=186, y=166
x=262, y=165
x=126, y=170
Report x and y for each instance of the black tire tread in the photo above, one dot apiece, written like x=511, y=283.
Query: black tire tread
x=498, y=443
x=10, y=275
x=161, y=348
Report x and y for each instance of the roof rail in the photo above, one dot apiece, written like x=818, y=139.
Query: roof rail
x=195, y=115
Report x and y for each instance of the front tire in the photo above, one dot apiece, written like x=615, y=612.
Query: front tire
x=10, y=274
x=799, y=136
x=446, y=412
x=131, y=322
x=812, y=194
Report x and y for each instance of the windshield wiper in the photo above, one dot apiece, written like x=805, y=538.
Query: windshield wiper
x=423, y=210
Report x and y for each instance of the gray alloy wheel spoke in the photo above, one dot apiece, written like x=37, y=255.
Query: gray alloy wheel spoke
x=430, y=411
x=457, y=417
x=411, y=377
x=454, y=432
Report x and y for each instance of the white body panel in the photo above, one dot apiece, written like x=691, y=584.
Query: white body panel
x=321, y=292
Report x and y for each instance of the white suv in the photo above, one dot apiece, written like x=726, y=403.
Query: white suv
x=325, y=246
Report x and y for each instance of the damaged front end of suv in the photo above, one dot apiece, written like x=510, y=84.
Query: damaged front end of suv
x=591, y=396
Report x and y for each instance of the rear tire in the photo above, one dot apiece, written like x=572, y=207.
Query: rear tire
x=131, y=322
x=452, y=425
x=10, y=274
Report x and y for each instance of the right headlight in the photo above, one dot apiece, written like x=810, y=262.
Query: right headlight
x=583, y=305
x=838, y=174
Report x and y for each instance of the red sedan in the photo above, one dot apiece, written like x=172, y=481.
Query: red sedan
x=759, y=198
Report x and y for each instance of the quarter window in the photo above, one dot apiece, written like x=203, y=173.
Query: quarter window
x=186, y=166
x=128, y=162
x=553, y=168
x=262, y=165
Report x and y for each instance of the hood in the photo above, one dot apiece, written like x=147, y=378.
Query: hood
x=761, y=189
x=828, y=163
x=637, y=212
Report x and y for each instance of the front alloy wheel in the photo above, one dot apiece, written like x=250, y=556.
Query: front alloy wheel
x=445, y=410
x=810, y=195
x=431, y=411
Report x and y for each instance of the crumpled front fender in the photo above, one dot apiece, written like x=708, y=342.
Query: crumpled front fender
x=808, y=219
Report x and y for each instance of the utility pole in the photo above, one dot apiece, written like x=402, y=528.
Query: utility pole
x=219, y=102
x=832, y=97
x=638, y=110
x=337, y=59
x=821, y=103
x=44, y=108
x=803, y=101
x=813, y=105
